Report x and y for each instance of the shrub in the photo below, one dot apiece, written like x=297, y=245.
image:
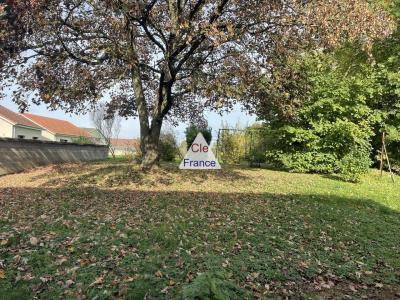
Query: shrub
x=183, y=149
x=330, y=108
x=353, y=165
x=258, y=138
x=237, y=144
x=82, y=140
x=231, y=146
x=168, y=146
x=257, y=156
x=341, y=147
x=303, y=162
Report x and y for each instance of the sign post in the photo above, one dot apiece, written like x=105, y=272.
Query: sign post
x=199, y=156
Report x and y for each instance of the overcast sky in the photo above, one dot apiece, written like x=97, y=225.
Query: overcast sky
x=130, y=127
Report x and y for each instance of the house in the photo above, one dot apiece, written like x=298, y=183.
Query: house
x=123, y=147
x=57, y=130
x=14, y=125
x=95, y=136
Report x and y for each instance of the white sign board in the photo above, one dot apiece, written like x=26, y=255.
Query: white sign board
x=199, y=156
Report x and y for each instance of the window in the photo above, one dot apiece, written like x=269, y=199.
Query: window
x=21, y=137
x=63, y=141
x=35, y=138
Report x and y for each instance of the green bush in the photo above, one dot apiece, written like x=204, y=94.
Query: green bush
x=303, y=162
x=353, y=164
x=192, y=131
x=333, y=123
x=168, y=146
x=257, y=156
x=82, y=140
x=340, y=147
x=258, y=141
x=329, y=108
x=231, y=146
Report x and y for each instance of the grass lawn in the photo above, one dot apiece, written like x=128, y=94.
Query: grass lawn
x=106, y=231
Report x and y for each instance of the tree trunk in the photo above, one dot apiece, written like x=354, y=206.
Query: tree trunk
x=150, y=133
x=151, y=155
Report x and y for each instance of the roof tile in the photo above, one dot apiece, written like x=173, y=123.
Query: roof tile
x=123, y=142
x=15, y=118
x=57, y=126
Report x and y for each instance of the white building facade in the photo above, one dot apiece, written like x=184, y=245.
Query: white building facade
x=57, y=130
x=35, y=127
x=13, y=125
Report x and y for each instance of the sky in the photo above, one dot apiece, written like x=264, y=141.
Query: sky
x=130, y=127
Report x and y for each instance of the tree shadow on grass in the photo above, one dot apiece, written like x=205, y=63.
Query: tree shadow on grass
x=124, y=174
x=296, y=244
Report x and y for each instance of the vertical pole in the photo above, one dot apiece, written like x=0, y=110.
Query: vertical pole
x=217, y=154
x=382, y=150
x=387, y=158
x=246, y=145
x=251, y=149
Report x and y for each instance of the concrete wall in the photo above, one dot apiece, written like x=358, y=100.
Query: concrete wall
x=123, y=150
x=67, y=138
x=19, y=155
x=6, y=129
x=48, y=136
x=29, y=133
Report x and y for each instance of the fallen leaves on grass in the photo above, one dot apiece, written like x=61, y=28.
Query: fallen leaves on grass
x=98, y=280
x=68, y=283
x=159, y=274
x=322, y=283
x=34, y=241
x=61, y=260
x=263, y=228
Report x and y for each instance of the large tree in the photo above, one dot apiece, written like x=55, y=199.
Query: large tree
x=169, y=59
x=8, y=29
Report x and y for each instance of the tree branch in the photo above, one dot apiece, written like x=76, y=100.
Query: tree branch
x=216, y=14
x=143, y=22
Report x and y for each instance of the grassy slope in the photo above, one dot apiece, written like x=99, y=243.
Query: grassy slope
x=108, y=230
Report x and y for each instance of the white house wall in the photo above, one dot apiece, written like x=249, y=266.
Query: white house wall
x=48, y=136
x=6, y=129
x=28, y=133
